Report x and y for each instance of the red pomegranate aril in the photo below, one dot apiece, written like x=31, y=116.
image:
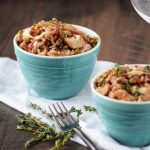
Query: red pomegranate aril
x=30, y=47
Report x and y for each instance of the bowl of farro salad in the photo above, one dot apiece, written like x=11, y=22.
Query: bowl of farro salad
x=54, y=38
x=122, y=97
x=56, y=58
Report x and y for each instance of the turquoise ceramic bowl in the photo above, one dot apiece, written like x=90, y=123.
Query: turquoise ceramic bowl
x=127, y=122
x=57, y=77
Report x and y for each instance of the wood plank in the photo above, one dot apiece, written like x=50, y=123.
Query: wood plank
x=122, y=31
x=12, y=139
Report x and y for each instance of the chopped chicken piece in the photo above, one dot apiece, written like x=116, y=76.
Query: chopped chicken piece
x=121, y=95
x=135, y=72
x=75, y=42
x=116, y=87
x=26, y=34
x=134, y=89
x=146, y=97
x=86, y=48
x=144, y=90
x=104, y=90
x=39, y=36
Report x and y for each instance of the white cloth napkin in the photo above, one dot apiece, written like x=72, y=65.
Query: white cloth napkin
x=14, y=92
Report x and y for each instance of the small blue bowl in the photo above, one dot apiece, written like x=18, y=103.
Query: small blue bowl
x=58, y=77
x=127, y=122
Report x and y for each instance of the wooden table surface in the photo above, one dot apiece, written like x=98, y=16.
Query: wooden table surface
x=125, y=39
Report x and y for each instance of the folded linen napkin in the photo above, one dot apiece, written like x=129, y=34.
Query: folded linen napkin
x=14, y=92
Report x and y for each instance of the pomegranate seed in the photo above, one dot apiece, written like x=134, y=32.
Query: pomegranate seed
x=123, y=68
x=56, y=33
x=30, y=47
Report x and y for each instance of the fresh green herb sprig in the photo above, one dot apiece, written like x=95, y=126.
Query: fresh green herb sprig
x=103, y=81
x=78, y=112
x=120, y=71
x=38, y=108
x=42, y=131
x=90, y=108
x=72, y=110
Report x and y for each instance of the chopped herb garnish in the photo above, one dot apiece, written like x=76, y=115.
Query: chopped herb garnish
x=120, y=71
x=128, y=87
x=103, y=81
x=137, y=94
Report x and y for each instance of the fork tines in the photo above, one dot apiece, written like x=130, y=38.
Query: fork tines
x=63, y=118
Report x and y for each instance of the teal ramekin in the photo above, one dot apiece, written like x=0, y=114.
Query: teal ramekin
x=58, y=77
x=127, y=122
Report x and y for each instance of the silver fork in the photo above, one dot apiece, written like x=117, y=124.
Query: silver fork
x=67, y=122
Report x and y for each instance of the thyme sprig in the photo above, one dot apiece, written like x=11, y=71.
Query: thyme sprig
x=38, y=108
x=78, y=112
x=90, y=108
x=42, y=131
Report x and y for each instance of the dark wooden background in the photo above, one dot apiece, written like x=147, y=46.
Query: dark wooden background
x=125, y=39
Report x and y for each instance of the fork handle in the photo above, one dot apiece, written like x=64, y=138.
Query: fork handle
x=82, y=135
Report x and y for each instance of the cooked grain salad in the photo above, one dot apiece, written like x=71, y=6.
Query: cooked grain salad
x=127, y=82
x=54, y=38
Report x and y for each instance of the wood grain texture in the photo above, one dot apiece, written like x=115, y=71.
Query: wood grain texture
x=125, y=39
x=12, y=139
x=125, y=36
